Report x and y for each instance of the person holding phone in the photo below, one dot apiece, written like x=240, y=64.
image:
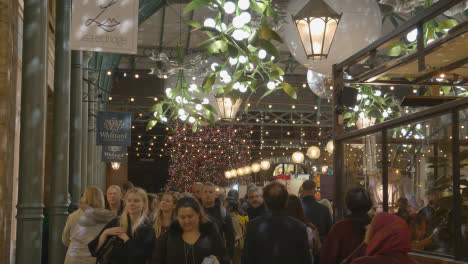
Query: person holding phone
x=192, y=239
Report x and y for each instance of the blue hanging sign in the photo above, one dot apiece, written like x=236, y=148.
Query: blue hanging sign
x=114, y=154
x=113, y=129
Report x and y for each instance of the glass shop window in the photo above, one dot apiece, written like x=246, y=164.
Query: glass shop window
x=420, y=182
x=463, y=148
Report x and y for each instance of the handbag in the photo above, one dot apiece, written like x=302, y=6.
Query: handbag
x=105, y=252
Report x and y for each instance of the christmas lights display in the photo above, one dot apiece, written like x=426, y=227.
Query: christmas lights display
x=205, y=155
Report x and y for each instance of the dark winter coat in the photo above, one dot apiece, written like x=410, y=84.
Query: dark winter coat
x=256, y=212
x=137, y=250
x=171, y=246
x=344, y=238
x=223, y=220
x=318, y=214
x=276, y=238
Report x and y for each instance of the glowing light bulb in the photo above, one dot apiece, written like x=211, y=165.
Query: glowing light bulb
x=412, y=35
x=209, y=22
x=229, y=7
x=262, y=54
x=271, y=85
x=243, y=4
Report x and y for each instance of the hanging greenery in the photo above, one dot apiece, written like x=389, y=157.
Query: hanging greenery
x=245, y=45
x=371, y=103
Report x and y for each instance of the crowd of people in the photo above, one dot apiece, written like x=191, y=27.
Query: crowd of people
x=268, y=225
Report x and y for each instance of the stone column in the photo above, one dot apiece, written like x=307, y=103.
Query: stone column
x=32, y=134
x=75, y=129
x=84, y=123
x=59, y=183
x=91, y=131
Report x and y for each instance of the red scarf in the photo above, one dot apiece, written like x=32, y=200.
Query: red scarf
x=389, y=234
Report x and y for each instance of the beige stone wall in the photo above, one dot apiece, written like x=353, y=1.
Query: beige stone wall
x=116, y=177
x=9, y=122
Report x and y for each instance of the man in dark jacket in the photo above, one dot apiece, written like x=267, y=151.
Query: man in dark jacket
x=217, y=213
x=114, y=200
x=317, y=213
x=276, y=238
x=256, y=206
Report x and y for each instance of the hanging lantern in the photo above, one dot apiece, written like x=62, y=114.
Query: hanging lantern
x=265, y=164
x=313, y=152
x=240, y=171
x=247, y=170
x=233, y=173
x=115, y=165
x=255, y=167
x=228, y=108
x=317, y=23
x=329, y=147
x=297, y=157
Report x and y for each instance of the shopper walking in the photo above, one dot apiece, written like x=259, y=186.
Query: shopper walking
x=276, y=238
x=114, y=199
x=256, y=205
x=294, y=210
x=83, y=225
x=388, y=241
x=239, y=223
x=218, y=214
x=191, y=238
x=129, y=238
x=165, y=214
x=345, y=240
x=317, y=213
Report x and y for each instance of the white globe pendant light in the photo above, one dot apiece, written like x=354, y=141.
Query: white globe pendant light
x=297, y=157
x=265, y=164
x=313, y=152
x=255, y=167
x=329, y=147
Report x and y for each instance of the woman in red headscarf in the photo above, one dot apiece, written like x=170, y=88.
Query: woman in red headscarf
x=388, y=241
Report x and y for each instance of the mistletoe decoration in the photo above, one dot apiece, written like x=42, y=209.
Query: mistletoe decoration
x=241, y=36
x=371, y=103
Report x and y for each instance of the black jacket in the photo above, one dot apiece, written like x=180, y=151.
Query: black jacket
x=276, y=238
x=221, y=217
x=171, y=247
x=256, y=212
x=136, y=250
x=318, y=214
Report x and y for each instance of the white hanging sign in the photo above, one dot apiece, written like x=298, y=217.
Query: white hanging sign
x=105, y=25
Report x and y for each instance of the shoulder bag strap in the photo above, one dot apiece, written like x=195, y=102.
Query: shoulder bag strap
x=344, y=261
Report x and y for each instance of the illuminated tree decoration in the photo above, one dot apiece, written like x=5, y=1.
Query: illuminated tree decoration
x=205, y=155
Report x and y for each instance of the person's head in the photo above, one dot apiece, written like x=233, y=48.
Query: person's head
x=136, y=201
x=402, y=203
x=275, y=196
x=136, y=206
x=168, y=202
x=126, y=186
x=254, y=196
x=294, y=208
x=114, y=195
x=231, y=204
x=358, y=200
x=387, y=234
x=189, y=214
x=153, y=202
x=208, y=195
x=197, y=190
x=92, y=197
x=308, y=188
x=233, y=194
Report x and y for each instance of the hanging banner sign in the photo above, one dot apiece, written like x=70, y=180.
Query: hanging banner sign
x=105, y=26
x=114, y=154
x=113, y=129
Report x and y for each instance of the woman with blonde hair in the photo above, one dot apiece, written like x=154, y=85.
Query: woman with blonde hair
x=128, y=238
x=83, y=225
x=165, y=213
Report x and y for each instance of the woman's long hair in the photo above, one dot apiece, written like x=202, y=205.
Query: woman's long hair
x=92, y=197
x=125, y=216
x=295, y=210
x=158, y=218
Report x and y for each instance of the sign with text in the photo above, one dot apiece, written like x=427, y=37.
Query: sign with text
x=114, y=154
x=105, y=26
x=113, y=129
